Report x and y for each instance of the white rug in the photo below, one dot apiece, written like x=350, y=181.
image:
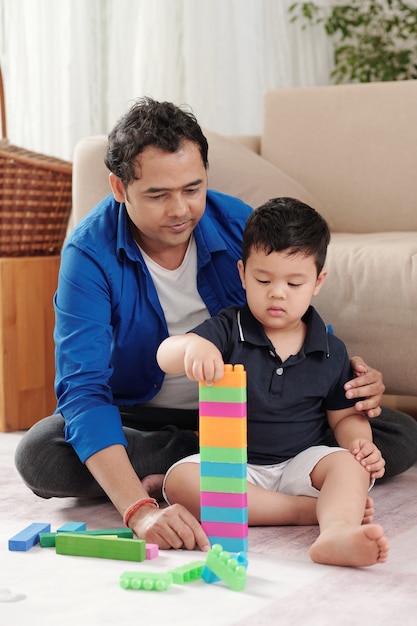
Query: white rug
x=41, y=588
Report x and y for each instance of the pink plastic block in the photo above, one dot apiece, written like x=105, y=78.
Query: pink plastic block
x=223, y=409
x=152, y=550
x=227, y=500
x=225, y=529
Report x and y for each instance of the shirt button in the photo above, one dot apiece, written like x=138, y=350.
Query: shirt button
x=280, y=371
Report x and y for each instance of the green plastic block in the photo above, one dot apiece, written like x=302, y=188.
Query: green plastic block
x=100, y=547
x=47, y=540
x=187, y=573
x=229, y=485
x=223, y=455
x=219, y=562
x=146, y=581
x=222, y=394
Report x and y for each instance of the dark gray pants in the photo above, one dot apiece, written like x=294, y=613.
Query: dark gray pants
x=50, y=467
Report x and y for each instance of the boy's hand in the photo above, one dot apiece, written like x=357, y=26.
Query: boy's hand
x=369, y=456
x=202, y=360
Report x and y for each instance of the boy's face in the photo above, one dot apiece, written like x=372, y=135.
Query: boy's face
x=279, y=287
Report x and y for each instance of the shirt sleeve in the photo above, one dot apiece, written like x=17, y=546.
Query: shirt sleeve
x=83, y=338
x=336, y=398
x=218, y=329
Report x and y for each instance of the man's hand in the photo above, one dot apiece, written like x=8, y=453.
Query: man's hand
x=366, y=384
x=171, y=527
x=369, y=456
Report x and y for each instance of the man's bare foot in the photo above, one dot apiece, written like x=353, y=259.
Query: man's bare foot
x=153, y=485
x=368, y=516
x=352, y=547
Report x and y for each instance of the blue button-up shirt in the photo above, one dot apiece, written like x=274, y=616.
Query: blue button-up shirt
x=109, y=321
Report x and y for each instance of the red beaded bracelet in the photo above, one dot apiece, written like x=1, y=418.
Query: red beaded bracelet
x=135, y=506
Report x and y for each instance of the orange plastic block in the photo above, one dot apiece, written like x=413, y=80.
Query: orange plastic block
x=223, y=432
x=234, y=376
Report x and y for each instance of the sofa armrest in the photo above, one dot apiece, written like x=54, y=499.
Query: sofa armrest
x=90, y=176
x=253, y=142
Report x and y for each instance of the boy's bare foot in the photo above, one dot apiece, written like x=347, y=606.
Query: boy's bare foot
x=153, y=485
x=368, y=516
x=352, y=547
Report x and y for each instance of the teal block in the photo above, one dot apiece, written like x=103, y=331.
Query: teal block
x=231, y=544
x=226, y=470
x=72, y=527
x=220, y=514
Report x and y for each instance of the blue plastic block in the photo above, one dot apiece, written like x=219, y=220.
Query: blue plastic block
x=231, y=544
x=28, y=537
x=223, y=514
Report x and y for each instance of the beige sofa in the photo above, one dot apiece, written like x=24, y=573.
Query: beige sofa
x=351, y=152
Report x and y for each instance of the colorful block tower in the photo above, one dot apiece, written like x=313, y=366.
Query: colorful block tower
x=223, y=452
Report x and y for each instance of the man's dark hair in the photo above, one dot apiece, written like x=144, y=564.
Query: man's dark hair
x=287, y=224
x=150, y=123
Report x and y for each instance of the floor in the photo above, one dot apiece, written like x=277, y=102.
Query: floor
x=284, y=587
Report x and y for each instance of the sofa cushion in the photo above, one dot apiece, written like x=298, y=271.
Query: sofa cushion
x=370, y=301
x=238, y=171
x=353, y=146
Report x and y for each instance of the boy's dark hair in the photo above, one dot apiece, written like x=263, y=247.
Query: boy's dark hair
x=150, y=123
x=287, y=224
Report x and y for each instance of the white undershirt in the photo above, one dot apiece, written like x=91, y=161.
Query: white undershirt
x=183, y=309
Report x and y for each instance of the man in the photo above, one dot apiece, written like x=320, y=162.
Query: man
x=156, y=258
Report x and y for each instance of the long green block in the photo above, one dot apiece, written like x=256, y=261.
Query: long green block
x=222, y=394
x=229, y=485
x=223, y=455
x=100, y=547
x=47, y=540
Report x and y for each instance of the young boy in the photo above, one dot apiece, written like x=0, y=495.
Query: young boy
x=295, y=376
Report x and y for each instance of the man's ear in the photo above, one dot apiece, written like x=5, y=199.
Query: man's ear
x=320, y=280
x=241, y=270
x=117, y=188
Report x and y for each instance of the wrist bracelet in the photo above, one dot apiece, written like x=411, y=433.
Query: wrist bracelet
x=135, y=506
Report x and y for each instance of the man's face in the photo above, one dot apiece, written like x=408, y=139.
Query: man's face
x=166, y=202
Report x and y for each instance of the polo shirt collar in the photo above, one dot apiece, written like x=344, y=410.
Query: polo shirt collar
x=316, y=337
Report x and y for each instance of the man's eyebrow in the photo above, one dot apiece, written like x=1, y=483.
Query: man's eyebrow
x=193, y=183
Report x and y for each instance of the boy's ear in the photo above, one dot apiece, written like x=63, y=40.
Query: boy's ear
x=320, y=280
x=117, y=188
x=241, y=270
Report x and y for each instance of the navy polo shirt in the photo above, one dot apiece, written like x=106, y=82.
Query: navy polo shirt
x=287, y=401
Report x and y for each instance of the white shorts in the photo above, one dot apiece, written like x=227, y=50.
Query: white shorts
x=291, y=477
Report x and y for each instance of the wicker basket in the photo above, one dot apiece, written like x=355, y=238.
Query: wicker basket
x=35, y=199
